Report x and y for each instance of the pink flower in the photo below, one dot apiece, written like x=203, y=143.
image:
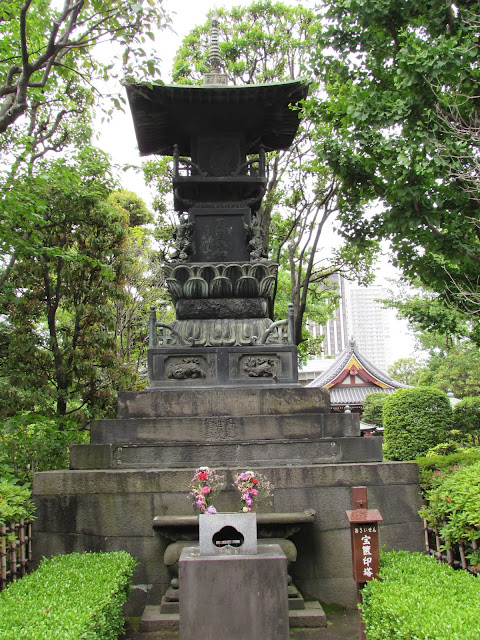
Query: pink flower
x=211, y=509
x=205, y=490
x=254, y=492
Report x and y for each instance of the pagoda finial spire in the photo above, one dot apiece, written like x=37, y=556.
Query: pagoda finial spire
x=214, y=53
x=215, y=75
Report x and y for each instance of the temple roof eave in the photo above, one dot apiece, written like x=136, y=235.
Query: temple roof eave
x=326, y=378
x=164, y=115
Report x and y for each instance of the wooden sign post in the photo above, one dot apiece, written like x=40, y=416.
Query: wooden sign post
x=365, y=545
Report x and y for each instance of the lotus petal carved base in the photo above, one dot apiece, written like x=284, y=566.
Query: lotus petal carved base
x=197, y=280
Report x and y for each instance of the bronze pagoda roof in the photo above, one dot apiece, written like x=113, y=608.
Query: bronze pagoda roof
x=173, y=114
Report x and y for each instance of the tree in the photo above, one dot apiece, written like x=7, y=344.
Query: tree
x=458, y=370
x=466, y=418
x=373, y=408
x=406, y=370
x=414, y=421
x=270, y=42
x=401, y=83
x=42, y=46
x=50, y=74
x=143, y=285
x=429, y=316
x=58, y=335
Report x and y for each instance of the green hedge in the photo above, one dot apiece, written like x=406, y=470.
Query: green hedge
x=466, y=418
x=71, y=597
x=434, y=469
x=418, y=599
x=414, y=421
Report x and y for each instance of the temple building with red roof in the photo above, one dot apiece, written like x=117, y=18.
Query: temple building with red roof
x=351, y=378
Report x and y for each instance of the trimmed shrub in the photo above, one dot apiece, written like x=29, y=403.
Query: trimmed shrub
x=454, y=507
x=466, y=418
x=414, y=421
x=373, y=408
x=72, y=597
x=416, y=598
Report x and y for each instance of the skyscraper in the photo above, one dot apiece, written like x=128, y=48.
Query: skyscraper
x=361, y=316
x=336, y=330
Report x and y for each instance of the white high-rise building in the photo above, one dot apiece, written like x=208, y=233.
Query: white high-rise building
x=369, y=323
x=362, y=317
x=336, y=330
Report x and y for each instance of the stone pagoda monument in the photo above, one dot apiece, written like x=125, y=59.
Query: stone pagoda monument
x=223, y=387
x=220, y=278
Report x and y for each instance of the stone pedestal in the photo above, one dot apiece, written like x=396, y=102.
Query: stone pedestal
x=227, y=533
x=236, y=597
x=140, y=466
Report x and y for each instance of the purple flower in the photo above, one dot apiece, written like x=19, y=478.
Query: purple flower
x=211, y=509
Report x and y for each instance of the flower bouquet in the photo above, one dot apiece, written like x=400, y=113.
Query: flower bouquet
x=252, y=487
x=205, y=485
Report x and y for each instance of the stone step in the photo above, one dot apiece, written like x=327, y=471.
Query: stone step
x=222, y=401
x=153, y=620
x=170, y=602
x=305, y=451
x=225, y=428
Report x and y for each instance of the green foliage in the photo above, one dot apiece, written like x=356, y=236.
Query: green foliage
x=466, y=418
x=46, y=47
x=30, y=442
x=373, y=408
x=437, y=325
x=15, y=502
x=132, y=207
x=414, y=421
x=458, y=369
x=443, y=449
x=70, y=248
x=433, y=468
x=397, y=125
x=453, y=506
x=406, y=370
x=418, y=598
x=73, y=597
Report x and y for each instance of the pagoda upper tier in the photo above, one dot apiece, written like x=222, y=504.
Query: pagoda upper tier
x=165, y=116
x=210, y=130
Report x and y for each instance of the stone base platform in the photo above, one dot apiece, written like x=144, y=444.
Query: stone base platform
x=215, y=454
x=110, y=510
x=313, y=616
